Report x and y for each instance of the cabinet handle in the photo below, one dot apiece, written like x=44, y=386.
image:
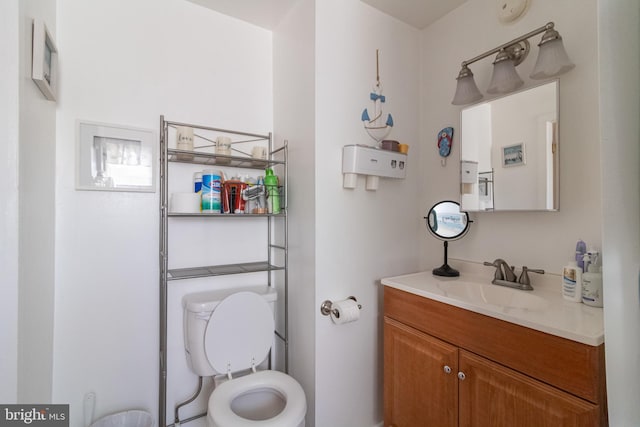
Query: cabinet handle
x=461, y=376
x=447, y=369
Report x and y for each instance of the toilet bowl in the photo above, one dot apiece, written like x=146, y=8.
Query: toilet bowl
x=230, y=331
x=265, y=398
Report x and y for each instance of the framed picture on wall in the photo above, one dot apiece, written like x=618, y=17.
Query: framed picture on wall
x=513, y=155
x=44, y=60
x=115, y=158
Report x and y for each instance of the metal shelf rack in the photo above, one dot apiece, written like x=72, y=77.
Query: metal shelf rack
x=205, y=155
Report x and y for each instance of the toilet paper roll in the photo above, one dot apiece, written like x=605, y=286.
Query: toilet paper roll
x=184, y=203
x=345, y=311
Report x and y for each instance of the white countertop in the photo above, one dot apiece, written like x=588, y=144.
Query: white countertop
x=542, y=309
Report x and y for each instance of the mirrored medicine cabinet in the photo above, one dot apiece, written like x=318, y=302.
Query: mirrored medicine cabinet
x=509, y=158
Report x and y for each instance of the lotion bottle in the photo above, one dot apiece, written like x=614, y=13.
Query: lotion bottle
x=572, y=282
x=592, y=280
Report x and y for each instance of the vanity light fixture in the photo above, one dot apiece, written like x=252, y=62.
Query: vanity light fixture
x=552, y=61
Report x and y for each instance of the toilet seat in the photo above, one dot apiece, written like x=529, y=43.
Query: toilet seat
x=220, y=411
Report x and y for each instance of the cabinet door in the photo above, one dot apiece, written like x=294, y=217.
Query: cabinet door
x=494, y=396
x=419, y=390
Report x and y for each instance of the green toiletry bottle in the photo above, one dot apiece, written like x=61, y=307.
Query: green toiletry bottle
x=273, y=195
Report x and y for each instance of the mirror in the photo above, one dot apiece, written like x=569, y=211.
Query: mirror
x=509, y=152
x=446, y=222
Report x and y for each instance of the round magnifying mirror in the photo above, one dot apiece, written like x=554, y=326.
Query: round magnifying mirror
x=446, y=222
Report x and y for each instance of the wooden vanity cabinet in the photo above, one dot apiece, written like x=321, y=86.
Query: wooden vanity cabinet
x=417, y=365
x=447, y=367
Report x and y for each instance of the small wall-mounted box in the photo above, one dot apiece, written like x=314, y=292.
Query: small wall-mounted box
x=468, y=172
x=372, y=162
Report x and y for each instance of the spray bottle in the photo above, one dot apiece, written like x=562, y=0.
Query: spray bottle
x=592, y=279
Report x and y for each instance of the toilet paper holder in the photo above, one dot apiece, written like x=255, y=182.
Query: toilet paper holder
x=326, y=307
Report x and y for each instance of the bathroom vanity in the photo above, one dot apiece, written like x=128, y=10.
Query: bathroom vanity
x=463, y=352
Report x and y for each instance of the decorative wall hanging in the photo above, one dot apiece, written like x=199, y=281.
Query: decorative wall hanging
x=513, y=155
x=44, y=60
x=379, y=126
x=115, y=158
x=445, y=141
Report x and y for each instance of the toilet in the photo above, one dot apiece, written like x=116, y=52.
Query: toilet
x=228, y=335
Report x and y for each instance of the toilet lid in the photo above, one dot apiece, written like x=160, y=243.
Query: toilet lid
x=239, y=332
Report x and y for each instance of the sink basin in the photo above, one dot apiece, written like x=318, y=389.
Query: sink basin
x=494, y=295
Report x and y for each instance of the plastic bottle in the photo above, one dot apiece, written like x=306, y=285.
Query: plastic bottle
x=262, y=201
x=211, y=192
x=197, y=182
x=592, y=280
x=572, y=282
x=251, y=202
x=273, y=196
x=581, y=249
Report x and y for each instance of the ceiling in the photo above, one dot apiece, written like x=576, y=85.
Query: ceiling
x=417, y=13
x=267, y=13
x=263, y=13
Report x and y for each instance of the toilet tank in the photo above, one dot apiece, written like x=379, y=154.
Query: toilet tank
x=197, y=309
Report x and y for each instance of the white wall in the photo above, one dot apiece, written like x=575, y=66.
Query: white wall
x=548, y=239
x=619, y=59
x=360, y=235
x=37, y=217
x=294, y=119
x=127, y=63
x=9, y=124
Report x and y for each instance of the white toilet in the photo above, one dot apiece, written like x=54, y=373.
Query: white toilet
x=231, y=331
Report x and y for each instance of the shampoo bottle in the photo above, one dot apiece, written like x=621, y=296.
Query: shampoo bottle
x=572, y=282
x=592, y=280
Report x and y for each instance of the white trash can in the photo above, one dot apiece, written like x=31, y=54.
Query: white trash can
x=132, y=418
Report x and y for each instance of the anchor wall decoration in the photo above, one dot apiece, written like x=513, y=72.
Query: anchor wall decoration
x=379, y=126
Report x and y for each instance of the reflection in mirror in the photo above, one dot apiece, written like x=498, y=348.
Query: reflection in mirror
x=509, y=152
x=446, y=222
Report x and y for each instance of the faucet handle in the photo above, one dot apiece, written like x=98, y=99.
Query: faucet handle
x=524, y=276
x=498, y=274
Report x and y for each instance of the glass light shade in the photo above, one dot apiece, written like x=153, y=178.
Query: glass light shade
x=466, y=90
x=505, y=79
x=552, y=60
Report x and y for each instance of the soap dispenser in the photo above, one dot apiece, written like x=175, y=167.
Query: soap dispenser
x=592, y=280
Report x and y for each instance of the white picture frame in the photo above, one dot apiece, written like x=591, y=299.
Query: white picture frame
x=513, y=155
x=44, y=60
x=115, y=157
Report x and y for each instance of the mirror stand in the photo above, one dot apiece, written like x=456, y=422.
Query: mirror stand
x=445, y=269
x=446, y=222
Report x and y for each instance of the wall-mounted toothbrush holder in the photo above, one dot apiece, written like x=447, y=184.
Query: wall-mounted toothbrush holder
x=373, y=163
x=344, y=311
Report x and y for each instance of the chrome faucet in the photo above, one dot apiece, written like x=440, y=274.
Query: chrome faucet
x=505, y=275
x=503, y=271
